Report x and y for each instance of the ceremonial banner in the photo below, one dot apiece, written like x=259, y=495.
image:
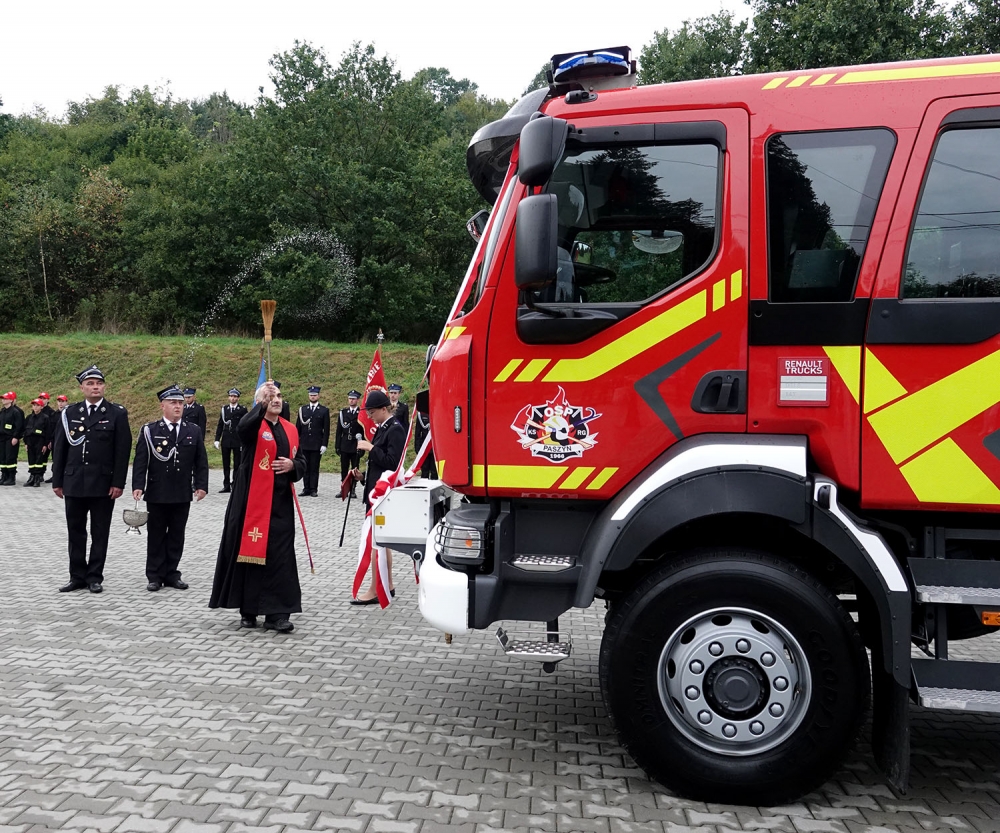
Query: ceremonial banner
x=375, y=381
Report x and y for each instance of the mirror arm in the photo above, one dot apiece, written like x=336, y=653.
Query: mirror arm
x=530, y=304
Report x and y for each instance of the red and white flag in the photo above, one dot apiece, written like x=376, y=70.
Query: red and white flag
x=375, y=381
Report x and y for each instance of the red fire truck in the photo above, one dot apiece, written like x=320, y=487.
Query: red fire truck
x=727, y=357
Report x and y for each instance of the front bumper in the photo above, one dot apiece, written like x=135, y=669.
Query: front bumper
x=443, y=594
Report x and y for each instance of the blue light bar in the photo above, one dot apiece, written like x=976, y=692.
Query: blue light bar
x=596, y=63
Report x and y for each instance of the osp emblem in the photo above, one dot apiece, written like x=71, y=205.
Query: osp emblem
x=557, y=430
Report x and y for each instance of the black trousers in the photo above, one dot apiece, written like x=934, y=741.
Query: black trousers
x=348, y=462
x=165, y=544
x=100, y=510
x=237, y=454
x=36, y=459
x=310, y=480
x=8, y=455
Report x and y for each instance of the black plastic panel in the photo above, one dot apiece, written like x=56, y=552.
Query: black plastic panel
x=805, y=323
x=934, y=321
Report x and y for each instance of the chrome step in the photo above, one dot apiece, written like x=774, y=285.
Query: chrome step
x=543, y=563
x=537, y=650
x=956, y=581
x=957, y=684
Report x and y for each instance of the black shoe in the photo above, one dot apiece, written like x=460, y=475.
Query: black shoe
x=73, y=585
x=47, y=480
x=314, y=494
x=153, y=586
x=224, y=489
x=38, y=480
x=176, y=583
x=248, y=621
x=392, y=593
x=304, y=493
x=30, y=481
x=283, y=625
x=95, y=587
x=362, y=602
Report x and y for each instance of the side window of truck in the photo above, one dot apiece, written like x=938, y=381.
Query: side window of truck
x=954, y=247
x=633, y=220
x=822, y=192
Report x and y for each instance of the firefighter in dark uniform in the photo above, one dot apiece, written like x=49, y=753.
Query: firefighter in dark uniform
x=313, y=424
x=61, y=402
x=346, y=437
x=36, y=435
x=169, y=455
x=400, y=410
x=89, y=467
x=52, y=417
x=194, y=411
x=11, y=430
x=226, y=438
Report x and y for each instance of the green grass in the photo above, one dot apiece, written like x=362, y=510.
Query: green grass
x=136, y=367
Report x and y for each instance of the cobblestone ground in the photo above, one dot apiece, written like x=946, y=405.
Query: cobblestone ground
x=137, y=711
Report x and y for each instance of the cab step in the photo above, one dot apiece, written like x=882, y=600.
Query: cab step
x=956, y=581
x=537, y=650
x=957, y=684
x=543, y=563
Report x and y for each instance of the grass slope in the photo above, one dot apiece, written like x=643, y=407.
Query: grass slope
x=136, y=367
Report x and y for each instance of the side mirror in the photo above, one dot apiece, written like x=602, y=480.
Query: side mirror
x=535, y=252
x=542, y=143
x=476, y=224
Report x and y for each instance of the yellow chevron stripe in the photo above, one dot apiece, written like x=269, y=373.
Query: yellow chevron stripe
x=946, y=474
x=510, y=367
x=455, y=332
x=798, y=82
x=923, y=417
x=736, y=285
x=718, y=295
x=774, y=83
x=525, y=477
x=653, y=332
x=605, y=475
x=881, y=386
x=576, y=477
x=823, y=79
x=440, y=467
x=915, y=73
x=847, y=362
x=531, y=370
x=478, y=475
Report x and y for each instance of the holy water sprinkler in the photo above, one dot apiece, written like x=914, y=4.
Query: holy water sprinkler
x=267, y=313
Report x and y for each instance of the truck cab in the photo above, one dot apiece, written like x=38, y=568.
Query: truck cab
x=726, y=359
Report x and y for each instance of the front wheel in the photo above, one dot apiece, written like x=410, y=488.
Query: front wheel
x=734, y=676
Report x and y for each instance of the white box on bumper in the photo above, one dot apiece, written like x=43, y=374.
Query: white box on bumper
x=403, y=518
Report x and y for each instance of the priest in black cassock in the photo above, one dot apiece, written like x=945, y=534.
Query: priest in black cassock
x=256, y=570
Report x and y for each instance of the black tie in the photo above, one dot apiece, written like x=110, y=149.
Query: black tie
x=173, y=433
x=90, y=410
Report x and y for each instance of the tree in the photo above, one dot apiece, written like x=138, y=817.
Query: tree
x=710, y=47
x=976, y=26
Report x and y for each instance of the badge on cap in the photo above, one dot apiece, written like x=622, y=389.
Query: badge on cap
x=171, y=392
x=353, y=395
x=234, y=391
x=395, y=388
x=313, y=389
x=189, y=391
x=91, y=372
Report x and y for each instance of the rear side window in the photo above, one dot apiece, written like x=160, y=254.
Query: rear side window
x=954, y=248
x=822, y=192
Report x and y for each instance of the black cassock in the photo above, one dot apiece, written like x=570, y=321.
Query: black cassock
x=255, y=589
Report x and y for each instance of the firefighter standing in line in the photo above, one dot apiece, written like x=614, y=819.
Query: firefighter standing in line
x=194, y=411
x=227, y=439
x=11, y=430
x=346, y=437
x=169, y=456
x=51, y=416
x=61, y=402
x=89, y=467
x=313, y=424
x=36, y=436
x=400, y=410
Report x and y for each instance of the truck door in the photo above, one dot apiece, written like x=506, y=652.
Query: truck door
x=931, y=431
x=641, y=340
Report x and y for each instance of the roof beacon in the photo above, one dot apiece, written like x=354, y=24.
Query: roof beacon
x=597, y=63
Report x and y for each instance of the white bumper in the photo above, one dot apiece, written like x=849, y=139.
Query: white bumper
x=443, y=594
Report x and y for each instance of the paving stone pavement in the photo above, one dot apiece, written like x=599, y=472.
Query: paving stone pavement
x=138, y=711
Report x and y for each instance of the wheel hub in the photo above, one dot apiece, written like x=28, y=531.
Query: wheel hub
x=734, y=681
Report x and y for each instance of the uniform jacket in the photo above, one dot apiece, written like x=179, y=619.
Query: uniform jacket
x=91, y=452
x=37, y=429
x=388, y=446
x=53, y=418
x=196, y=413
x=348, y=428
x=229, y=418
x=314, y=427
x=402, y=414
x=169, y=481
x=11, y=422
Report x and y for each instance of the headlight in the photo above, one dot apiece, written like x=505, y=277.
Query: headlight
x=460, y=545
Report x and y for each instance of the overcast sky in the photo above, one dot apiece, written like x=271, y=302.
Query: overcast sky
x=59, y=51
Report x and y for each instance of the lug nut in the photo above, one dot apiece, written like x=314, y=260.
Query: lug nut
x=767, y=659
x=704, y=717
x=715, y=649
x=756, y=728
x=696, y=667
x=776, y=709
x=742, y=645
x=780, y=684
x=729, y=730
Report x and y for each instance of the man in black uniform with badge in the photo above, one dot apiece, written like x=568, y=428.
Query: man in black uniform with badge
x=226, y=438
x=169, y=455
x=348, y=432
x=89, y=467
x=400, y=410
x=194, y=411
x=313, y=424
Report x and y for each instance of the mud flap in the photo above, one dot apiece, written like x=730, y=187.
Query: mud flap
x=891, y=728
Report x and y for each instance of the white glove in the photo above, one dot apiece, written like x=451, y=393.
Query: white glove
x=216, y=444
x=322, y=449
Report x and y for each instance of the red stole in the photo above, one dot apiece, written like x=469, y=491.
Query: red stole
x=257, y=522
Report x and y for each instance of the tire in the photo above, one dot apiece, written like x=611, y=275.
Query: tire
x=734, y=676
